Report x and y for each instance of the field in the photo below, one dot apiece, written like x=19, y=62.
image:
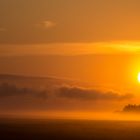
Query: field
x=68, y=130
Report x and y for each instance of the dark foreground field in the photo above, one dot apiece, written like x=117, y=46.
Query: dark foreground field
x=68, y=130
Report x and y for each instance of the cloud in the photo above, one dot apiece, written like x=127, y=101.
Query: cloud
x=9, y=90
x=66, y=92
x=86, y=94
x=47, y=24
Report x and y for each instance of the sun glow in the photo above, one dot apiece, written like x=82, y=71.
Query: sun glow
x=139, y=77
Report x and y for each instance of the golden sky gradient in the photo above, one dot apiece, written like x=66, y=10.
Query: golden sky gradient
x=91, y=41
x=49, y=21
x=71, y=48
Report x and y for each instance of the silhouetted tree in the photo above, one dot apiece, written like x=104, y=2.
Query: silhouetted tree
x=131, y=108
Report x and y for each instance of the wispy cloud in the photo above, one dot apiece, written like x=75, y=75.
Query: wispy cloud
x=69, y=48
x=77, y=93
x=47, y=24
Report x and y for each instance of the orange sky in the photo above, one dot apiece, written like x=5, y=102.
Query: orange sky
x=122, y=47
x=111, y=65
x=91, y=41
x=51, y=21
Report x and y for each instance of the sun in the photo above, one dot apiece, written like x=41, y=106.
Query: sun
x=139, y=77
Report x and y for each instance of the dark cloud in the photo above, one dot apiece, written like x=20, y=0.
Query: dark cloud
x=86, y=94
x=8, y=90
x=66, y=92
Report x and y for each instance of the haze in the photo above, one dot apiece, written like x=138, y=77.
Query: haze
x=88, y=48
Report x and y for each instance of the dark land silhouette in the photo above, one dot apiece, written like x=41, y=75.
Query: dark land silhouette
x=16, y=129
x=132, y=108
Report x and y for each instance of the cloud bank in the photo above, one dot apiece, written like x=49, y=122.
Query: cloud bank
x=62, y=92
x=85, y=94
x=9, y=90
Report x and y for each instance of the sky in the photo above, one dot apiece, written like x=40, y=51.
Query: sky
x=69, y=27
x=55, y=28
x=93, y=41
x=53, y=21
